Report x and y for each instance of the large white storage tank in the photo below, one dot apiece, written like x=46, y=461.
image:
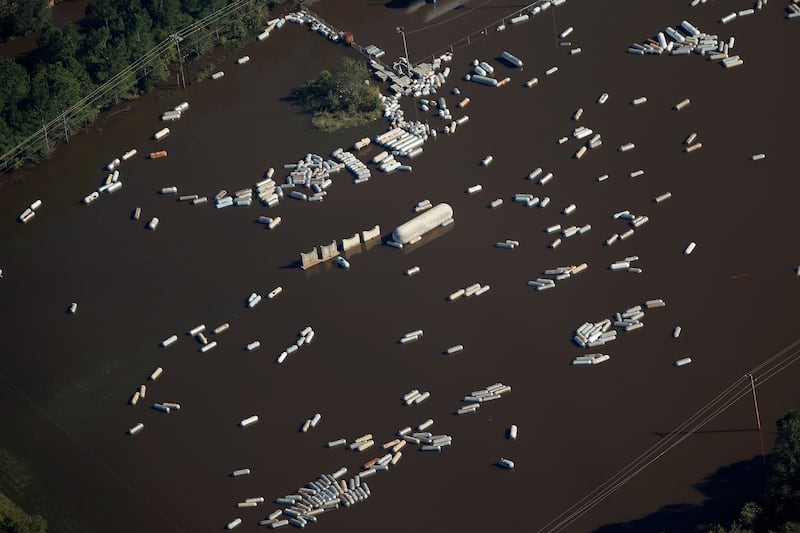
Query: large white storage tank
x=421, y=224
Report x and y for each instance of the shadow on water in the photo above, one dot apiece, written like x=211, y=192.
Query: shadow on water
x=403, y=4
x=725, y=491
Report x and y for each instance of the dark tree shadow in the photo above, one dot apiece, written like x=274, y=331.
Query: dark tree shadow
x=726, y=491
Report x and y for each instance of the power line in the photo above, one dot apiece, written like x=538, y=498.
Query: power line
x=101, y=93
x=740, y=388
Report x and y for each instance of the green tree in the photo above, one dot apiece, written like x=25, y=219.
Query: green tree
x=53, y=89
x=21, y=17
x=62, y=47
x=341, y=98
x=784, y=484
x=14, y=88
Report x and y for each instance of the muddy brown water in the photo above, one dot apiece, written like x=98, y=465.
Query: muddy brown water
x=66, y=379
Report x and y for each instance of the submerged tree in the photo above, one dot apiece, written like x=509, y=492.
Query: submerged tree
x=22, y=17
x=342, y=98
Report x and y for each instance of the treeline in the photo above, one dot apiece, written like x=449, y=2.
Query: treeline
x=15, y=520
x=22, y=17
x=779, y=511
x=71, y=62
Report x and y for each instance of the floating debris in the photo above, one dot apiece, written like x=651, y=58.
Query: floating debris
x=306, y=335
x=690, y=40
x=411, y=336
x=478, y=397
x=591, y=359
x=476, y=289
x=506, y=463
x=593, y=334
x=558, y=273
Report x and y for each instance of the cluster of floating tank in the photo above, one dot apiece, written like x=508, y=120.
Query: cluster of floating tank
x=174, y=113
x=415, y=397
x=634, y=221
x=305, y=336
x=440, y=104
x=388, y=164
x=626, y=265
x=330, y=492
x=311, y=423
x=482, y=71
x=141, y=394
x=405, y=140
x=423, y=79
x=563, y=35
x=474, y=399
x=312, y=172
x=428, y=441
x=476, y=289
x=533, y=9
x=30, y=211
x=112, y=182
x=580, y=133
x=326, y=493
x=591, y=359
x=758, y=5
x=313, y=23
x=356, y=167
x=525, y=198
x=411, y=336
x=594, y=334
x=568, y=231
x=559, y=273
x=793, y=9
x=271, y=25
x=508, y=244
x=692, y=40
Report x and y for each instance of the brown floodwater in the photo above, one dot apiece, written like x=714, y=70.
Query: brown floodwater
x=65, y=380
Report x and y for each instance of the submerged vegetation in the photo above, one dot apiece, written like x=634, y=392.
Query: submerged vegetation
x=779, y=511
x=72, y=62
x=15, y=520
x=342, y=98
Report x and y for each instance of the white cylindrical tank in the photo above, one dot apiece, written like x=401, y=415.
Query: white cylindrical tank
x=423, y=223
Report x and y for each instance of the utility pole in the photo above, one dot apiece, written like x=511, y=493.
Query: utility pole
x=755, y=401
x=178, y=40
x=46, y=140
x=402, y=31
x=66, y=131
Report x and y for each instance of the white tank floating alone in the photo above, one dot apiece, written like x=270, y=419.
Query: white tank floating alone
x=169, y=340
x=512, y=59
x=136, y=429
x=422, y=223
x=683, y=362
x=512, y=432
x=690, y=248
x=505, y=463
x=249, y=421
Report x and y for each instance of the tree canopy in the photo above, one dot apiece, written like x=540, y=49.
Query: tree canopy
x=341, y=98
x=21, y=17
x=780, y=510
x=70, y=63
